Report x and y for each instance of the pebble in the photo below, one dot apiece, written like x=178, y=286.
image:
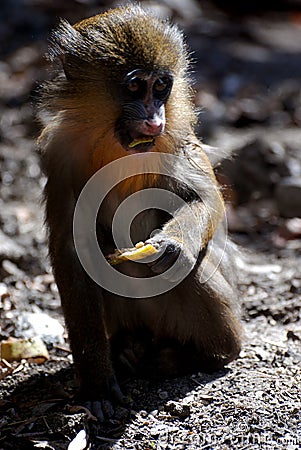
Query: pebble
x=288, y=194
x=163, y=395
x=42, y=325
x=177, y=409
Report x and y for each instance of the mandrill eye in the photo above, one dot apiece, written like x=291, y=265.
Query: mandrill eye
x=162, y=87
x=134, y=84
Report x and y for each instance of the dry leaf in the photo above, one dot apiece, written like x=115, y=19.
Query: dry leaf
x=16, y=349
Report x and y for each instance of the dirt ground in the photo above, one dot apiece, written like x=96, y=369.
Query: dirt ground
x=247, y=76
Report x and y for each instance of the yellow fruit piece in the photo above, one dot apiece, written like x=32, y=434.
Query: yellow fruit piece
x=136, y=142
x=140, y=251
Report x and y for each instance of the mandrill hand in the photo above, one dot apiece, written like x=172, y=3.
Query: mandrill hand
x=173, y=258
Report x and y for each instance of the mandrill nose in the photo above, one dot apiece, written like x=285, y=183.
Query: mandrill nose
x=153, y=127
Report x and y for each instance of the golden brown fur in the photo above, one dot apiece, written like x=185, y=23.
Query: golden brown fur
x=194, y=324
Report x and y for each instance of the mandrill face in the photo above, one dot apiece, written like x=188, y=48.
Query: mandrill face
x=143, y=110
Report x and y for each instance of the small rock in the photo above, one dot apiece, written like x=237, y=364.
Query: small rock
x=163, y=395
x=79, y=442
x=155, y=431
x=293, y=336
x=262, y=354
x=288, y=195
x=9, y=249
x=42, y=325
x=3, y=291
x=189, y=398
x=259, y=394
x=177, y=409
x=12, y=269
x=256, y=169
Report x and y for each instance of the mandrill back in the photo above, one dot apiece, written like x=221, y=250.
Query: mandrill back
x=120, y=113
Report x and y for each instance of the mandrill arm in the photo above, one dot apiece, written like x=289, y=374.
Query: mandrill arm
x=194, y=224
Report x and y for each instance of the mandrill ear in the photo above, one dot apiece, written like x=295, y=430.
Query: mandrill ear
x=64, y=39
x=63, y=44
x=71, y=48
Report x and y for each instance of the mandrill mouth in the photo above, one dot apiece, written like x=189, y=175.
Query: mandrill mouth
x=138, y=137
x=133, y=142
